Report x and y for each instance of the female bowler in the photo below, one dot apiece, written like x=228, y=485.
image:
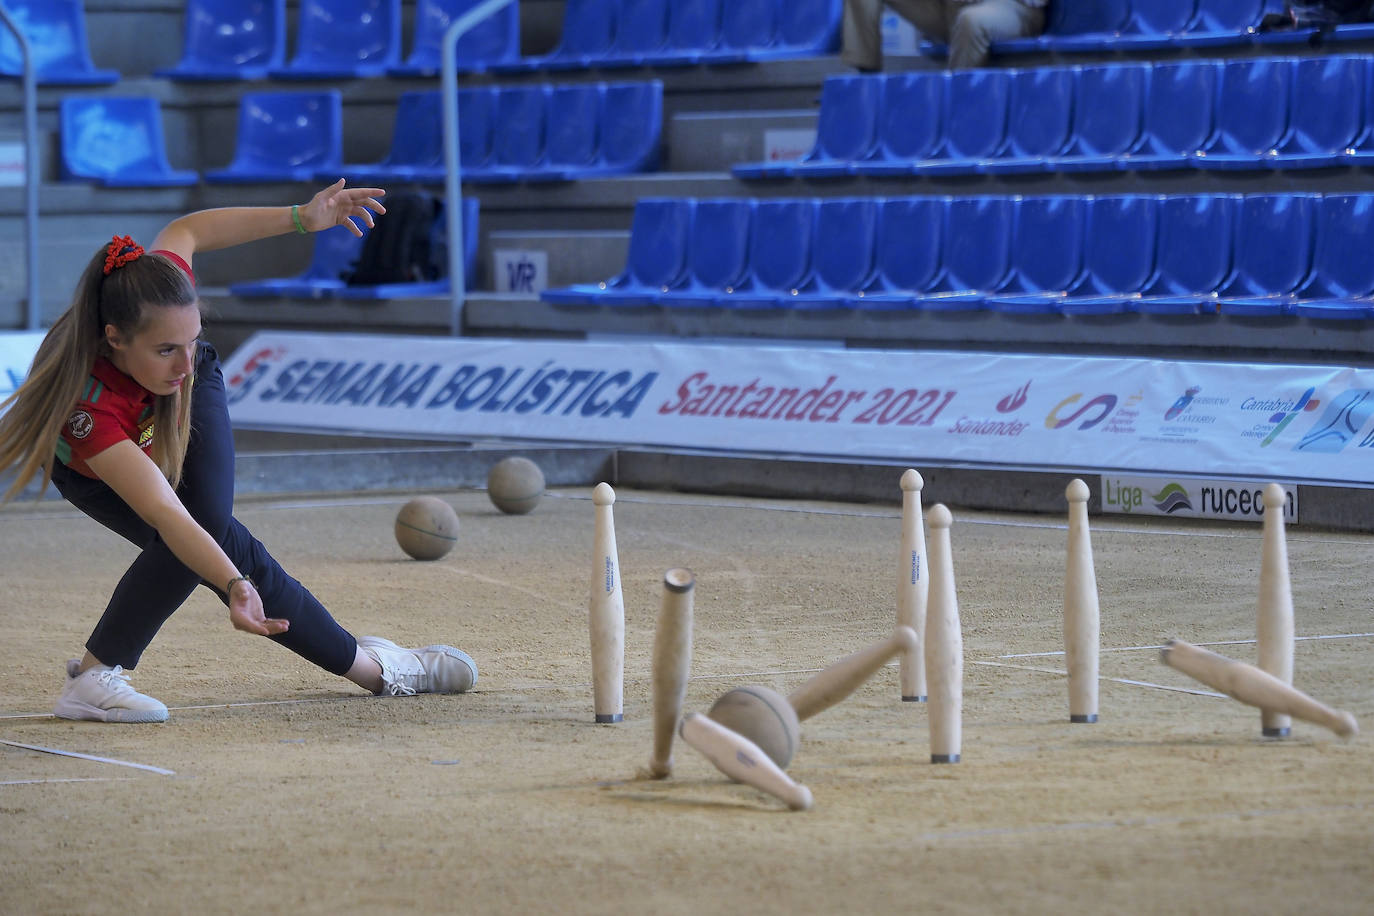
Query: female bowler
x=124, y=411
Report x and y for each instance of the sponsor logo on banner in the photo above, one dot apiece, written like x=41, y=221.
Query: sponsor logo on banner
x=1192, y=498
x=1014, y=401
x=1342, y=420
x=1024, y=410
x=1280, y=413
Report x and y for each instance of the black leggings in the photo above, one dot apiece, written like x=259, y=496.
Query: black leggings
x=157, y=583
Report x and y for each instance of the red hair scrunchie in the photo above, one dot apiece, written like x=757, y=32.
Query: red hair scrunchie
x=123, y=249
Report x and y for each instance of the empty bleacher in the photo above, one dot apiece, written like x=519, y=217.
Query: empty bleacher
x=578, y=117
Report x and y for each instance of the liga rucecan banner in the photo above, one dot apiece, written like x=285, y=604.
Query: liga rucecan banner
x=1301, y=423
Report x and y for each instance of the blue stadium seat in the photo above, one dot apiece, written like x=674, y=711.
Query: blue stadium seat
x=343, y=39
x=1119, y=234
x=1109, y=105
x=1081, y=26
x=231, y=40
x=910, y=123
x=744, y=26
x=1341, y=285
x=803, y=28
x=717, y=253
x=975, y=121
x=417, y=144
x=693, y=36
x=780, y=245
x=285, y=136
x=846, y=131
x=1179, y=116
x=1154, y=24
x=1193, y=254
x=1251, y=114
x=519, y=125
x=573, y=128
x=907, y=253
x=976, y=253
x=494, y=40
x=476, y=114
x=1118, y=254
x=1273, y=253
x=640, y=33
x=1046, y=255
x=117, y=142
x=1326, y=112
x=631, y=128
x=1221, y=22
x=1039, y=121
x=655, y=262
x=439, y=287
x=336, y=251
x=56, y=34
x=589, y=28
x=841, y=253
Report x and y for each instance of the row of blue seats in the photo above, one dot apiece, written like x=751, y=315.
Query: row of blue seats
x=665, y=33
x=1151, y=25
x=1245, y=113
x=336, y=254
x=246, y=39
x=525, y=133
x=339, y=39
x=1261, y=254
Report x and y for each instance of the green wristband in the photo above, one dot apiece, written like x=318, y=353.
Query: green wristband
x=296, y=218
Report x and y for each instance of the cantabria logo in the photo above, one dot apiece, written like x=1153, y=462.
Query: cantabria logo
x=1173, y=498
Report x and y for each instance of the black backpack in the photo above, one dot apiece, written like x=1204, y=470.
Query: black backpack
x=405, y=246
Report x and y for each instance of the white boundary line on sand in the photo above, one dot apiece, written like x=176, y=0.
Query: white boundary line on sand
x=1224, y=642
x=122, y=763
x=1117, y=680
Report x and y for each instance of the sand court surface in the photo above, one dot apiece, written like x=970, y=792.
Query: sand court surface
x=290, y=791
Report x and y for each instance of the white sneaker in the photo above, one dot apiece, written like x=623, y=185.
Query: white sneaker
x=103, y=694
x=433, y=669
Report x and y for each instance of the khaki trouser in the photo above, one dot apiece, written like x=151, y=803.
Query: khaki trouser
x=968, y=28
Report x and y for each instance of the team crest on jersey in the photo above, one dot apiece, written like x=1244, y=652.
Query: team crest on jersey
x=145, y=437
x=80, y=424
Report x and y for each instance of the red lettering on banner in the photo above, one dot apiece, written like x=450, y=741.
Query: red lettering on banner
x=696, y=396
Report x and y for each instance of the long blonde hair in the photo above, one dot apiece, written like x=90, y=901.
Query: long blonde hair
x=30, y=428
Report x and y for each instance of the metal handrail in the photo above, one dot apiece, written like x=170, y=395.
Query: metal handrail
x=453, y=179
x=30, y=81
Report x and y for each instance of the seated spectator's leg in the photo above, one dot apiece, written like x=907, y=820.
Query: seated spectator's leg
x=863, y=39
x=979, y=24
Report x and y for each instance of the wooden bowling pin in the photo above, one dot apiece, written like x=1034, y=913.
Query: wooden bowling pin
x=1274, y=621
x=672, y=661
x=1253, y=686
x=944, y=644
x=606, y=616
x=1081, y=622
x=740, y=759
x=913, y=587
x=838, y=681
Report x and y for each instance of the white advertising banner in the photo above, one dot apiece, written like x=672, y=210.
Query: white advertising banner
x=1191, y=497
x=1297, y=423
x=16, y=355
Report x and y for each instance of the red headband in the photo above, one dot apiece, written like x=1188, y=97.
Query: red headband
x=123, y=249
